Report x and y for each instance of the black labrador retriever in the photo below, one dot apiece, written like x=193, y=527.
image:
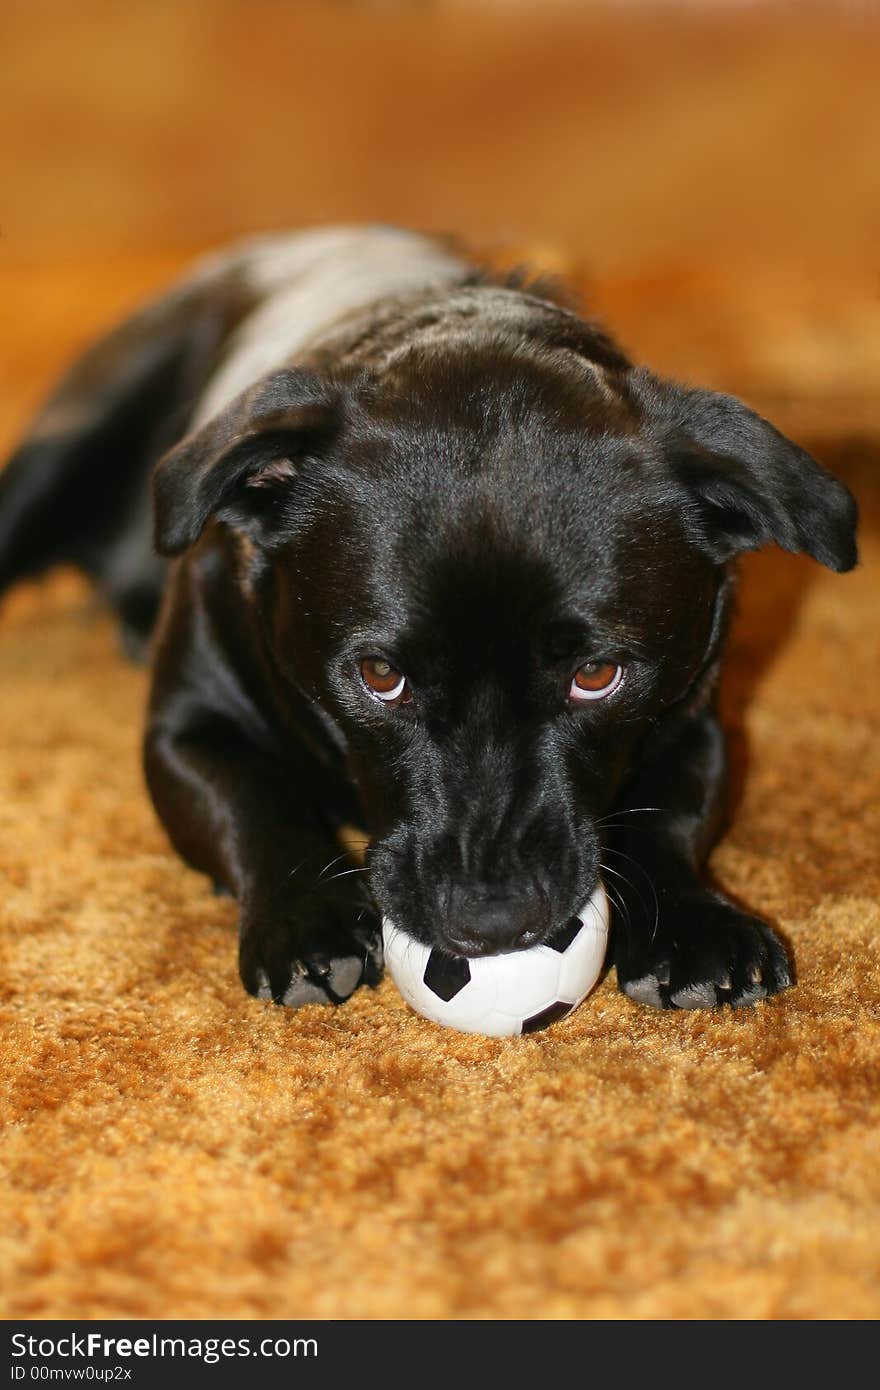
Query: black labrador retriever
x=447, y=566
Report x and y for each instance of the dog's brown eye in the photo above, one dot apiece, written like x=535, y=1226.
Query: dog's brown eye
x=595, y=679
x=384, y=681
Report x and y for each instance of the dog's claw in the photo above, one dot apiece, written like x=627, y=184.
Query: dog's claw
x=749, y=996
x=333, y=984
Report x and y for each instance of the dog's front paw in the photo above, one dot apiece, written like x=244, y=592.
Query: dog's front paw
x=309, y=961
x=706, y=954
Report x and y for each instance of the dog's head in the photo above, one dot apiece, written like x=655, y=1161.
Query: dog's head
x=495, y=570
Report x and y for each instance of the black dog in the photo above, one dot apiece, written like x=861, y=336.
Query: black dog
x=451, y=569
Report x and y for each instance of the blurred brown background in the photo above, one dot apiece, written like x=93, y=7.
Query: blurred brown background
x=709, y=172
x=635, y=135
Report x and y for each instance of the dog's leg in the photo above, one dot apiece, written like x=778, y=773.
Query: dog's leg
x=308, y=930
x=679, y=943
x=76, y=490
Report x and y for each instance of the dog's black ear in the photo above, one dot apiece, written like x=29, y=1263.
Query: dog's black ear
x=744, y=484
x=239, y=464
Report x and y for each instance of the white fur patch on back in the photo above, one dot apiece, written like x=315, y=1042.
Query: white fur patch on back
x=310, y=279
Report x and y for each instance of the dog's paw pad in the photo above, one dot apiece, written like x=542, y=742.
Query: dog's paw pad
x=700, y=995
x=645, y=991
x=345, y=975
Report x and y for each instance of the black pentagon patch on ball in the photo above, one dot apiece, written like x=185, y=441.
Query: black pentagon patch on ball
x=565, y=936
x=446, y=975
x=551, y=1014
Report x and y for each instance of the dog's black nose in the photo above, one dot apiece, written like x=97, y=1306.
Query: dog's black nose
x=481, y=925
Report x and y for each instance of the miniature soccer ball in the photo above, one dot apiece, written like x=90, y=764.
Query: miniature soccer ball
x=502, y=995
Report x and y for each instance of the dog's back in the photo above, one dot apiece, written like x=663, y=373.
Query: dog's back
x=77, y=488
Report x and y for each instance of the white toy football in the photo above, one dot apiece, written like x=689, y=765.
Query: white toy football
x=502, y=995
